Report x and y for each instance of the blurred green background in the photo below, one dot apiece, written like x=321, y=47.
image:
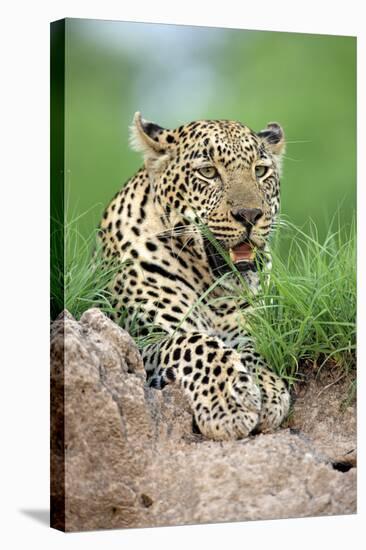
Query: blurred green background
x=176, y=74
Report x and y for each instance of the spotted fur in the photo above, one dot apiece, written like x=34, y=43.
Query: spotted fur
x=221, y=174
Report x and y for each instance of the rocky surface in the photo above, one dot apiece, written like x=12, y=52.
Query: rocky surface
x=130, y=458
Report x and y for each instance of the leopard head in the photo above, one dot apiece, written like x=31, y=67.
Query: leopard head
x=219, y=173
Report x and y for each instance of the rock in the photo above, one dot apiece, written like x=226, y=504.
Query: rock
x=124, y=455
x=321, y=412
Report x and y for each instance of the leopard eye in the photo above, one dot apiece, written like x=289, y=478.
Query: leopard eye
x=208, y=172
x=260, y=171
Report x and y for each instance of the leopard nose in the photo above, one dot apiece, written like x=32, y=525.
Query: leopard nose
x=246, y=216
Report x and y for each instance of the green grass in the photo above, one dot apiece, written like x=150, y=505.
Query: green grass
x=79, y=273
x=305, y=312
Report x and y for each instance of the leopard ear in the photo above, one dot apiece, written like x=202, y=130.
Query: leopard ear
x=274, y=137
x=149, y=138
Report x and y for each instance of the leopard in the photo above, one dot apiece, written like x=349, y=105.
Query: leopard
x=191, y=226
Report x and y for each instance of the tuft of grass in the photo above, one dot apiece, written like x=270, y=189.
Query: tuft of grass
x=80, y=275
x=307, y=308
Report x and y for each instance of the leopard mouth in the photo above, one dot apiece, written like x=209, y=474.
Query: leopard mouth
x=244, y=251
x=244, y=256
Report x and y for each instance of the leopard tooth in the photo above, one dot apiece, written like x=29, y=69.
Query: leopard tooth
x=232, y=255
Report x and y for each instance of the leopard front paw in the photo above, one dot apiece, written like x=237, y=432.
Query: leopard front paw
x=227, y=406
x=275, y=399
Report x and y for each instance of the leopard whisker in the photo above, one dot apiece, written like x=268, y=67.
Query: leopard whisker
x=179, y=231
